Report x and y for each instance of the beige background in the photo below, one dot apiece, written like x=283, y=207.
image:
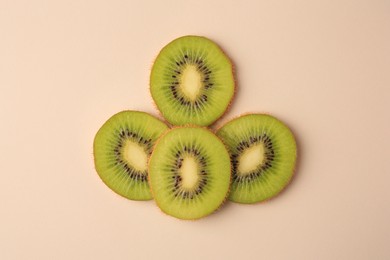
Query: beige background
x=321, y=66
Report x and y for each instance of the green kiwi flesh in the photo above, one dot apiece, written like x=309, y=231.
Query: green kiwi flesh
x=121, y=150
x=189, y=172
x=263, y=154
x=192, y=81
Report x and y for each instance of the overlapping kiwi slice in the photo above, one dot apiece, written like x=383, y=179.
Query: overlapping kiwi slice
x=263, y=154
x=121, y=150
x=192, y=81
x=189, y=172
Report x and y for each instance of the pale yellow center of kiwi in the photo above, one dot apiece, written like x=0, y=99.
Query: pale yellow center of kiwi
x=191, y=82
x=250, y=159
x=135, y=155
x=189, y=173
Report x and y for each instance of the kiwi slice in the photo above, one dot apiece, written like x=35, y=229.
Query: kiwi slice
x=121, y=150
x=189, y=172
x=263, y=153
x=192, y=81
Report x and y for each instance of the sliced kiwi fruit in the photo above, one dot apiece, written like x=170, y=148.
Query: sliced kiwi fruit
x=121, y=150
x=263, y=153
x=189, y=172
x=192, y=81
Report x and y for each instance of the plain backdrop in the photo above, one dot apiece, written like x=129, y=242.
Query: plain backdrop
x=323, y=67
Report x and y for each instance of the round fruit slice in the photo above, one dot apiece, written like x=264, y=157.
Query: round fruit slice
x=189, y=172
x=121, y=150
x=192, y=81
x=263, y=154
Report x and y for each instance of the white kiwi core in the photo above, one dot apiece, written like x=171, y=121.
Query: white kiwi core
x=250, y=159
x=135, y=155
x=191, y=82
x=189, y=172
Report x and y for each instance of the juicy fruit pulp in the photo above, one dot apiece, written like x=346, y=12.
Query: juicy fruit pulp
x=122, y=147
x=192, y=81
x=263, y=155
x=189, y=172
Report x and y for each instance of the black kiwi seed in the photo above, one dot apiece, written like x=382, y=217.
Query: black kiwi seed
x=124, y=135
x=117, y=171
x=206, y=81
x=269, y=157
x=178, y=179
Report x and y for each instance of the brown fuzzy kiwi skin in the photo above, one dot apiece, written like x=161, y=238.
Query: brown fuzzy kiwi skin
x=233, y=71
x=296, y=156
x=230, y=181
x=94, y=159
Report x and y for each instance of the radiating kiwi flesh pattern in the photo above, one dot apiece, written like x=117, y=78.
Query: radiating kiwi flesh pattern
x=189, y=172
x=192, y=81
x=121, y=150
x=263, y=154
